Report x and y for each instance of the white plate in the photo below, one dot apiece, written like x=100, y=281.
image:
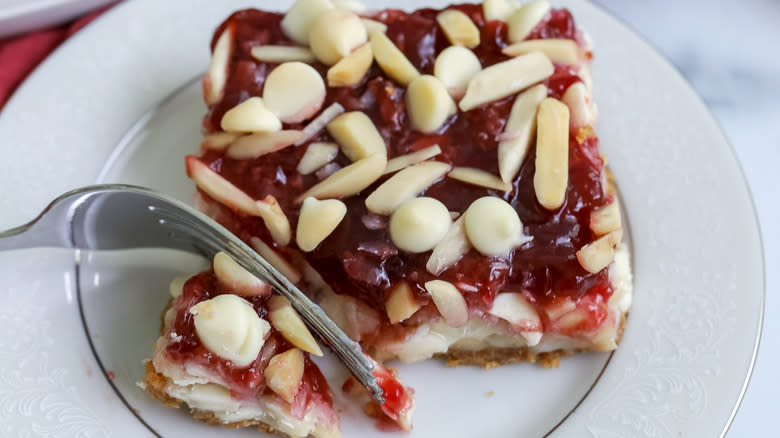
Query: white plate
x=689, y=344
x=21, y=15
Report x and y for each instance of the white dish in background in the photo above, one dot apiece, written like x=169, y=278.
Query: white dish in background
x=17, y=16
x=689, y=343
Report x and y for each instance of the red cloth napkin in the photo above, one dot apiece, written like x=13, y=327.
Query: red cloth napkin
x=20, y=54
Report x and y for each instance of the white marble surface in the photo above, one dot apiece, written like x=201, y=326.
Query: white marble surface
x=728, y=51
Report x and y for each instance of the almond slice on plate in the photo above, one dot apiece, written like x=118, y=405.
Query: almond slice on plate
x=334, y=34
x=320, y=122
x=493, y=226
x=357, y=136
x=392, y=60
x=216, y=76
x=352, y=68
x=404, y=185
x=450, y=248
x=285, y=319
x=349, y=180
x=577, y=98
x=294, y=91
x=317, y=155
x=280, y=54
x=606, y=219
x=497, y=9
x=222, y=190
x=250, y=115
x=458, y=28
x=514, y=308
x=479, y=177
x=551, y=176
x=276, y=260
x=506, y=78
x=520, y=128
x=455, y=66
x=317, y=220
x=373, y=26
x=256, y=145
x=299, y=18
x=560, y=51
x=274, y=219
x=284, y=374
x=401, y=304
x=403, y=161
x=238, y=279
x=523, y=20
x=429, y=103
x=598, y=254
x=418, y=224
x=218, y=141
x=449, y=301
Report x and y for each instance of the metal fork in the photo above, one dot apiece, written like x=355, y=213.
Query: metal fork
x=115, y=216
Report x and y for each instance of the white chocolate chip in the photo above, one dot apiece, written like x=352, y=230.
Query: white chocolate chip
x=274, y=219
x=318, y=124
x=284, y=374
x=317, y=220
x=598, y=254
x=250, y=115
x=402, y=161
x=577, y=98
x=334, y=34
x=352, y=68
x=458, y=28
x=418, y=224
x=373, y=26
x=350, y=180
x=230, y=328
x=262, y=143
x=429, y=104
x=514, y=308
x=216, y=76
x=449, y=301
x=405, y=185
x=316, y=156
x=455, y=66
x=350, y=5
x=560, y=51
x=238, y=279
x=357, y=136
x=294, y=91
x=506, y=78
x=520, y=128
x=217, y=187
x=551, y=176
x=392, y=60
x=493, y=227
x=526, y=18
x=497, y=9
x=299, y=18
x=285, y=319
x=450, y=248
x=277, y=261
x=280, y=54
x=479, y=177
x=401, y=304
x=606, y=219
x=218, y=141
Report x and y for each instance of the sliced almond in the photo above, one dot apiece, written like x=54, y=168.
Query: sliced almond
x=274, y=219
x=357, y=136
x=373, y=26
x=216, y=76
x=318, y=124
x=176, y=286
x=560, y=51
x=218, y=141
x=598, y=254
x=401, y=304
x=352, y=68
x=349, y=180
x=238, y=279
x=606, y=219
x=577, y=98
x=277, y=261
x=294, y=91
x=526, y=18
x=250, y=115
x=316, y=156
x=219, y=188
x=455, y=66
x=514, y=308
x=449, y=301
x=280, y=54
x=284, y=374
x=520, y=128
x=418, y=224
x=405, y=185
x=551, y=176
x=299, y=18
x=262, y=143
x=392, y=60
x=458, y=28
x=479, y=177
x=497, y=9
x=403, y=161
x=285, y=319
x=317, y=220
x=506, y=78
x=450, y=248
x=334, y=34
x=429, y=103
x=493, y=226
